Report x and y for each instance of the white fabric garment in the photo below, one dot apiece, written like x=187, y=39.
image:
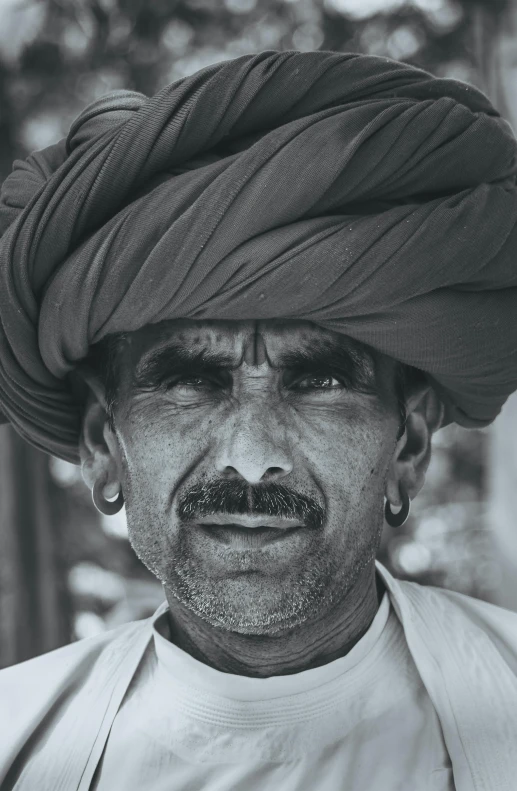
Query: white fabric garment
x=363, y=722
x=57, y=710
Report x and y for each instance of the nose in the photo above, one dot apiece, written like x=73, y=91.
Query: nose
x=253, y=447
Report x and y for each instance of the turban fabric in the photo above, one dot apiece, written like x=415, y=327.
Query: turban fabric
x=355, y=192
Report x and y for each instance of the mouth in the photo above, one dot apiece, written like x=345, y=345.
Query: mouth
x=255, y=523
x=254, y=534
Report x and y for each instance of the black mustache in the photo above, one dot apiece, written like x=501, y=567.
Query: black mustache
x=237, y=497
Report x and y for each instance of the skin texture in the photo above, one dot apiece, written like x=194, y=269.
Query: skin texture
x=279, y=607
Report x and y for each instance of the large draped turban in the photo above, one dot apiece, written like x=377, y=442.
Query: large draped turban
x=356, y=192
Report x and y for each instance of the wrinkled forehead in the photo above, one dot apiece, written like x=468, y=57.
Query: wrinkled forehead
x=252, y=342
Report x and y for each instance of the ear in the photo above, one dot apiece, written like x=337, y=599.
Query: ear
x=97, y=444
x=413, y=450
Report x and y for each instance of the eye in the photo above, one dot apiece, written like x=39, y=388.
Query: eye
x=318, y=382
x=193, y=382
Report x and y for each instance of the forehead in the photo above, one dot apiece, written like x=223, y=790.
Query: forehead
x=248, y=340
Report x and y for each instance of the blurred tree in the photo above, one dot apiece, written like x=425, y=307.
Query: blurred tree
x=35, y=613
x=57, y=56
x=498, y=41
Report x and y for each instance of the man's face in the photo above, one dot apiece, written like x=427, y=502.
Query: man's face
x=277, y=423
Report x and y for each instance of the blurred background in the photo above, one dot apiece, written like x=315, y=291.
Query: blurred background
x=65, y=571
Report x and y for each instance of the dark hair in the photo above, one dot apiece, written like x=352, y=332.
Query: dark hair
x=406, y=380
x=104, y=359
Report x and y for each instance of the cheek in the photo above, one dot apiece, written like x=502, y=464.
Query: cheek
x=161, y=444
x=158, y=446
x=350, y=460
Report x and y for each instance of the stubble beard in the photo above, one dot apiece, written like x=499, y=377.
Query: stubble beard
x=249, y=606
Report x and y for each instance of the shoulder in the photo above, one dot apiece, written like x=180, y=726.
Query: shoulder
x=473, y=609
x=61, y=660
x=29, y=689
x=442, y=603
x=461, y=613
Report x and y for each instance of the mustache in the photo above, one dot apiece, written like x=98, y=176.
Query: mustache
x=238, y=497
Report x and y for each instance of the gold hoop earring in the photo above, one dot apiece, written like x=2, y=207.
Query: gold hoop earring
x=400, y=518
x=101, y=504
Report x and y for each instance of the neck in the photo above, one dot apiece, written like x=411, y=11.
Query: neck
x=302, y=648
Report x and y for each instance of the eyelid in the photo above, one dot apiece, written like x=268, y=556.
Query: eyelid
x=219, y=377
x=304, y=373
x=296, y=376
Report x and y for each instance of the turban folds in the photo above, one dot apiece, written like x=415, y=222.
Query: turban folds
x=356, y=192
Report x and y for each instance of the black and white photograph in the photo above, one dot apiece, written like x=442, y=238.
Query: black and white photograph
x=258, y=395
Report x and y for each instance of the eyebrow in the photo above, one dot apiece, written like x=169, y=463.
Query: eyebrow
x=355, y=365
x=175, y=357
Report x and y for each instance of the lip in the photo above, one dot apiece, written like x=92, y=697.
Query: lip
x=240, y=537
x=252, y=522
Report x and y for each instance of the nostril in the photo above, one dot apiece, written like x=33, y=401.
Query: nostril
x=253, y=460
x=275, y=471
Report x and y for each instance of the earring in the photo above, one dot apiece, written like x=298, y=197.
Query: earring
x=398, y=519
x=100, y=502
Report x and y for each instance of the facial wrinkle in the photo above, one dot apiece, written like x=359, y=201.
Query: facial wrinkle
x=255, y=349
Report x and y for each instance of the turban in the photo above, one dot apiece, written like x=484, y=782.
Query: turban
x=361, y=194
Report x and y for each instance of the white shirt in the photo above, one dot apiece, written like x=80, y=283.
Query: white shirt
x=363, y=722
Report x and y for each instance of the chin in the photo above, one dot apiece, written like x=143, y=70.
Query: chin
x=246, y=619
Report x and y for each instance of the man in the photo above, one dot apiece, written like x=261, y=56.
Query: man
x=244, y=306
